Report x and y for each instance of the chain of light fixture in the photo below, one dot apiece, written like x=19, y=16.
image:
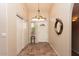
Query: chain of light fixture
x=38, y=16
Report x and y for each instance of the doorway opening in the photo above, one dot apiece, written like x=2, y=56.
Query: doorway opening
x=75, y=30
x=39, y=31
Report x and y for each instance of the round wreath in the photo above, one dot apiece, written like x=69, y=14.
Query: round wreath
x=61, y=26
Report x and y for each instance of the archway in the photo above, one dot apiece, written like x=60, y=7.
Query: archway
x=75, y=30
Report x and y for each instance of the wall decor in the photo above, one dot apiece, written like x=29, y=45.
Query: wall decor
x=58, y=24
x=19, y=16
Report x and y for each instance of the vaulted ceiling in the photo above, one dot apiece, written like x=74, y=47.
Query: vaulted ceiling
x=44, y=8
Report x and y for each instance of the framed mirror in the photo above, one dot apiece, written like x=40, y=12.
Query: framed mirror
x=58, y=26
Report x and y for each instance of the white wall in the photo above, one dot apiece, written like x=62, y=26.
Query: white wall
x=3, y=30
x=11, y=15
x=61, y=43
x=12, y=10
x=8, y=43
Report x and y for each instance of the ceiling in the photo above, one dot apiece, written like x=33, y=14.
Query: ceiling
x=76, y=10
x=44, y=8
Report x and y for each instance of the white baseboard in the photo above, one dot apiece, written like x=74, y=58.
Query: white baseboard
x=54, y=49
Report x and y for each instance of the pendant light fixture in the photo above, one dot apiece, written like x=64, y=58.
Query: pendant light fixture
x=38, y=16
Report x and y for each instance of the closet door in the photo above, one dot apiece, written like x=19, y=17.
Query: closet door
x=19, y=34
x=24, y=34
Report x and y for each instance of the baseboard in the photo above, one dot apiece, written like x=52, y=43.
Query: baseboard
x=54, y=49
x=22, y=49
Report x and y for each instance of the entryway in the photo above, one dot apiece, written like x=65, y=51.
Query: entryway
x=39, y=29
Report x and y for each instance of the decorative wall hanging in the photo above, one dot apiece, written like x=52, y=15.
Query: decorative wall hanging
x=60, y=30
x=19, y=16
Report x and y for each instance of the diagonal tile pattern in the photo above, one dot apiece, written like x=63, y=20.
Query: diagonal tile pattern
x=38, y=49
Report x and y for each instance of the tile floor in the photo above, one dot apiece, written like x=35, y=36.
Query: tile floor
x=38, y=49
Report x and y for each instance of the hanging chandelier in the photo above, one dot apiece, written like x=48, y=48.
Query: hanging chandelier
x=38, y=16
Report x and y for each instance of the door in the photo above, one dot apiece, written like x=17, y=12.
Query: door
x=42, y=31
x=3, y=31
x=19, y=34
x=24, y=33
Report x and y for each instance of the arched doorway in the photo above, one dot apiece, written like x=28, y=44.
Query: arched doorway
x=75, y=30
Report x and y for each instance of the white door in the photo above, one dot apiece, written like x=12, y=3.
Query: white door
x=42, y=31
x=19, y=35
x=24, y=34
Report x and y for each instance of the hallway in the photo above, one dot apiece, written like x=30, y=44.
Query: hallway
x=48, y=25
x=38, y=49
